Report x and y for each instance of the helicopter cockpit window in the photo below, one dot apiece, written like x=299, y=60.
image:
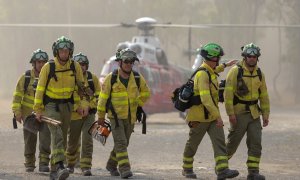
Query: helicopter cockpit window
x=161, y=57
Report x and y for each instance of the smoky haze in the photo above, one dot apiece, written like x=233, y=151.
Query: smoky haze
x=279, y=46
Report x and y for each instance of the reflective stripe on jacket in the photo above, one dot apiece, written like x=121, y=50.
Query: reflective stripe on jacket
x=63, y=88
x=23, y=101
x=123, y=99
x=253, y=84
x=204, y=88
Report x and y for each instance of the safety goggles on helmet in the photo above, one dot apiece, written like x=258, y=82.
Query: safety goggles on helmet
x=63, y=45
x=252, y=52
x=81, y=59
x=41, y=56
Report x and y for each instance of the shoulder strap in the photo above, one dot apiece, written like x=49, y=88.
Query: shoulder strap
x=90, y=81
x=27, y=79
x=51, y=72
x=137, y=78
x=72, y=66
x=240, y=72
x=114, y=77
x=259, y=73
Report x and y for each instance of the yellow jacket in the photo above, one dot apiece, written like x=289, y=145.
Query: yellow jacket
x=63, y=88
x=23, y=101
x=206, y=90
x=253, y=84
x=123, y=99
x=92, y=102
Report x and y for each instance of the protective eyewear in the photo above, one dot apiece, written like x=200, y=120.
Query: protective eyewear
x=80, y=58
x=41, y=55
x=128, y=61
x=63, y=45
x=250, y=56
x=252, y=51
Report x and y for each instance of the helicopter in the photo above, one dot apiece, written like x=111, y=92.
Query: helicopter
x=154, y=65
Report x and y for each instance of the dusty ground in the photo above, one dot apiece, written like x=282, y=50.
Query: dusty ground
x=158, y=155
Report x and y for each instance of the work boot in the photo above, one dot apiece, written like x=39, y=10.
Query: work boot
x=70, y=169
x=86, y=171
x=29, y=169
x=44, y=168
x=254, y=175
x=112, y=170
x=227, y=173
x=126, y=174
x=62, y=172
x=189, y=173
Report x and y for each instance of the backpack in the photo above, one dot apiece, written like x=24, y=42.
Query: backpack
x=183, y=97
x=240, y=75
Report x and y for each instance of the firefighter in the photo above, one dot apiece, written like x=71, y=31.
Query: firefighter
x=80, y=125
x=124, y=96
x=22, y=106
x=56, y=96
x=206, y=117
x=245, y=87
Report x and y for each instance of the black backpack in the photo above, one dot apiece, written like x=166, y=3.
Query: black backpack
x=183, y=97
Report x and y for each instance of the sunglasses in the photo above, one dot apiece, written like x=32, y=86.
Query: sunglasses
x=250, y=56
x=82, y=64
x=128, y=61
x=63, y=45
x=41, y=55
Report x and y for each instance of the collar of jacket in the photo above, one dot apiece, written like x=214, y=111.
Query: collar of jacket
x=243, y=64
x=59, y=66
x=206, y=66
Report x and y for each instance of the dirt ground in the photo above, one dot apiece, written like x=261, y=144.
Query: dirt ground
x=158, y=155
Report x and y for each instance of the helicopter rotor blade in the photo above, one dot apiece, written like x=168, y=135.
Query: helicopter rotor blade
x=203, y=26
x=65, y=25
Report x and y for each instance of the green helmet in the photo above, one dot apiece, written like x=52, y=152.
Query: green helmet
x=39, y=55
x=62, y=43
x=211, y=50
x=126, y=54
x=250, y=50
x=81, y=58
